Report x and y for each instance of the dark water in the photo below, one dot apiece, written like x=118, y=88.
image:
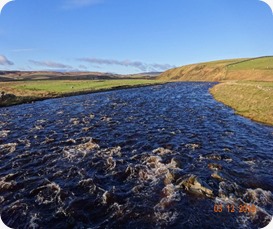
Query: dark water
x=153, y=157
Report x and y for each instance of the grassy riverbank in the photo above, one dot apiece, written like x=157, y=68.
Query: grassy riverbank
x=28, y=91
x=251, y=99
x=247, y=84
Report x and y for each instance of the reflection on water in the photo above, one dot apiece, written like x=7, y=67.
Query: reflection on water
x=153, y=157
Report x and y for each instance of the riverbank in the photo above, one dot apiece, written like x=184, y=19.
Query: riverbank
x=29, y=91
x=251, y=99
x=247, y=84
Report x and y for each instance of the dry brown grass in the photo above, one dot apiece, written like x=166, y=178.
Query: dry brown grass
x=260, y=69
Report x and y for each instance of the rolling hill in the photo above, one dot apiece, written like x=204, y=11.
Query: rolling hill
x=6, y=76
x=260, y=69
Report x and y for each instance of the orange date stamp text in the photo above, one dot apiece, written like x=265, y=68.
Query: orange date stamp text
x=243, y=208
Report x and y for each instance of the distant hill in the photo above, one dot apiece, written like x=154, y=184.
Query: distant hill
x=145, y=75
x=47, y=75
x=260, y=68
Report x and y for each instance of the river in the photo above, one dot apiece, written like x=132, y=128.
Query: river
x=165, y=156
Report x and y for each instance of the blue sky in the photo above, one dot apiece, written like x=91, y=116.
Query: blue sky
x=130, y=36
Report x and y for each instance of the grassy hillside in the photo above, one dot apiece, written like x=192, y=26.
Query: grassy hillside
x=260, y=69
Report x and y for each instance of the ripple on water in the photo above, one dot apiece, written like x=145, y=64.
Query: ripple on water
x=158, y=156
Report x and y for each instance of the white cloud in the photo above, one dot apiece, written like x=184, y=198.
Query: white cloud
x=74, y=4
x=50, y=64
x=128, y=63
x=5, y=61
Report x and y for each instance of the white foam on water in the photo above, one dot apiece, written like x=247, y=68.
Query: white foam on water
x=80, y=150
x=259, y=196
x=32, y=223
x=165, y=217
x=8, y=148
x=105, y=197
x=111, y=163
x=48, y=193
x=161, y=151
x=6, y=185
x=4, y=133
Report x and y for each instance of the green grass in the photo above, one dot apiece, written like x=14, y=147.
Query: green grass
x=224, y=62
x=262, y=63
x=27, y=91
x=62, y=86
x=250, y=99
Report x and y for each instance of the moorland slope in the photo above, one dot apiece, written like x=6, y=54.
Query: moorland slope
x=259, y=69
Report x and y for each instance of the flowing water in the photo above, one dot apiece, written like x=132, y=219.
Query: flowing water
x=154, y=157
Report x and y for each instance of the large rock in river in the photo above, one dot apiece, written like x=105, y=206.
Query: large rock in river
x=194, y=185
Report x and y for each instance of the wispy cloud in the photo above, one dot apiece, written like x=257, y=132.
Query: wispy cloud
x=50, y=64
x=162, y=67
x=128, y=63
x=5, y=61
x=74, y=4
x=82, y=67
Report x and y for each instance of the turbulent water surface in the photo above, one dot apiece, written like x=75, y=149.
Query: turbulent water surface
x=155, y=157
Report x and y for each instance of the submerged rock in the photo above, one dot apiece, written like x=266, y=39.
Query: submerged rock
x=194, y=185
x=217, y=176
x=213, y=166
x=168, y=178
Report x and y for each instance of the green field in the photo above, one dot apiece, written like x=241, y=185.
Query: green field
x=250, y=99
x=224, y=62
x=27, y=91
x=62, y=86
x=265, y=63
